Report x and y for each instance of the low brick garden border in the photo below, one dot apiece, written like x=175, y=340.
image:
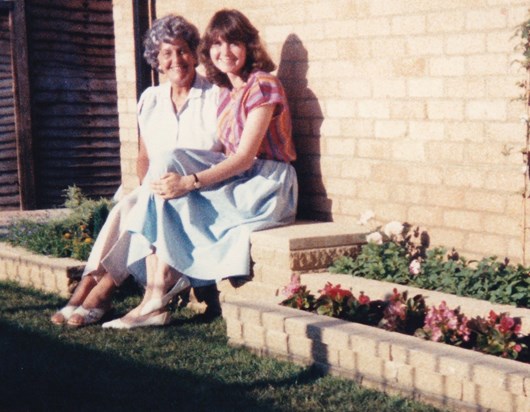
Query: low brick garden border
x=440, y=374
x=56, y=275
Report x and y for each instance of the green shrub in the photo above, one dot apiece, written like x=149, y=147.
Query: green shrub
x=436, y=269
x=72, y=236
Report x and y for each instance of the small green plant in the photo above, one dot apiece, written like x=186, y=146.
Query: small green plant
x=298, y=297
x=72, y=236
x=333, y=301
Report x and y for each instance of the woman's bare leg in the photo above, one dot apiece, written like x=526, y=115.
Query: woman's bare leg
x=82, y=290
x=99, y=297
x=160, y=277
x=153, y=289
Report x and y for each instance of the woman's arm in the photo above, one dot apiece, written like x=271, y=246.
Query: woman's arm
x=256, y=125
x=142, y=161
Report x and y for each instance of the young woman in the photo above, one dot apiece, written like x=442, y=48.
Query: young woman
x=199, y=224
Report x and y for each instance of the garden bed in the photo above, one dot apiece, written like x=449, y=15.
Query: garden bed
x=379, y=289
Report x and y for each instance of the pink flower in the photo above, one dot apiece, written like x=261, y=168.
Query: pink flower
x=415, y=267
x=444, y=324
x=492, y=317
x=436, y=334
x=292, y=288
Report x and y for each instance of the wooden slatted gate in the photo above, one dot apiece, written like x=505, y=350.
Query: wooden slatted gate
x=74, y=99
x=58, y=113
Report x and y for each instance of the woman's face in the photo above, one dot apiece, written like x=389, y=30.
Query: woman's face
x=229, y=58
x=177, y=61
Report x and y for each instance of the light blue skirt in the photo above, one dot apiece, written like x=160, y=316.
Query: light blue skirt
x=206, y=233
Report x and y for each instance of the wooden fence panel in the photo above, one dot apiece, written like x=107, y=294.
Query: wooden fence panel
x=9, y=183
x=73, y=98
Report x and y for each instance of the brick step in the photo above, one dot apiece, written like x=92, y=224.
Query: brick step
x=253, y=291
x=304, y=246
x=56, y=275
x=278, y=254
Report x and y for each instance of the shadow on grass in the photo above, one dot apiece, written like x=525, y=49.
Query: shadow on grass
x=49, y=368
x=183, y=367
x=39, y=373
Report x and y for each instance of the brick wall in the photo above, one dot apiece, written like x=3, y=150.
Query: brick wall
x=403, y=107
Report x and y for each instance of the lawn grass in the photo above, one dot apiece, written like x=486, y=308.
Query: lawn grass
x=185, y=366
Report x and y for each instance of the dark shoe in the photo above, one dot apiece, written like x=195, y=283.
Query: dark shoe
x=238, y=281
x=210, y=296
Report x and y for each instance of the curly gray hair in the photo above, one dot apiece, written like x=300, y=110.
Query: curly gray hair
x=166, y=30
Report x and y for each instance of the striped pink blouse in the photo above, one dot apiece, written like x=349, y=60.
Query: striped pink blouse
x=261, y=89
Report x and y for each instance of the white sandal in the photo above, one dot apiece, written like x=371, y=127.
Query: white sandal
x=161, y=319
x=89, y=316
x=181, y=284
x=61, y=316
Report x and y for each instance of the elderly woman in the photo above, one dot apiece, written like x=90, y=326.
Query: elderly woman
x=180, y=112
x=199, y=225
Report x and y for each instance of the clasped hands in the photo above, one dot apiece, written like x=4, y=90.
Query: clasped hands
x=170, y=186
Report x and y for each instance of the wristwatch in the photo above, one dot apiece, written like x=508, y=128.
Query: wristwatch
x=197, y=183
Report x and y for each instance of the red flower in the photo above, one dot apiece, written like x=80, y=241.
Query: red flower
x=493, y=317
x=363, y=299
x=299, y=302
x=335, y=292
x=506, y=324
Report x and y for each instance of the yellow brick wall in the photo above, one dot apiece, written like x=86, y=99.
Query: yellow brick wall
x=404, y=107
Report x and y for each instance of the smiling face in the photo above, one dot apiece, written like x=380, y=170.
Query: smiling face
x=177, y=61
x=229, y=58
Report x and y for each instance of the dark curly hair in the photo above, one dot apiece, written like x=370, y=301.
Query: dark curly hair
x=233, y=26
x=166, y=30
